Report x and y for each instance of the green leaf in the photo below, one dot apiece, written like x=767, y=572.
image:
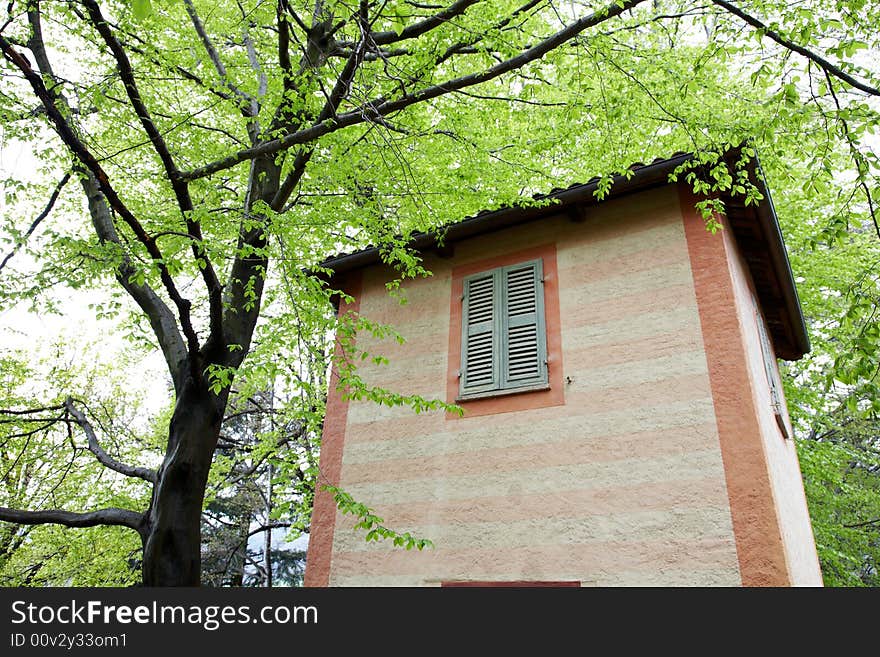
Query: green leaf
x=141, y=9
x=398, y=21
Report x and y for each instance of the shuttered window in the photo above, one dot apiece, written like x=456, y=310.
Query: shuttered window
x=504, y=344
x=770, y=370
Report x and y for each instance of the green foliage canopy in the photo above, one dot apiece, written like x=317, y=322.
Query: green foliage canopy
x=194, y=160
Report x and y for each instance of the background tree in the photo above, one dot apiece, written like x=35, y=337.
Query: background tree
x=840, y=467
x=207, y=167
x=260, y=492
x=832, y=392
x=47, y=460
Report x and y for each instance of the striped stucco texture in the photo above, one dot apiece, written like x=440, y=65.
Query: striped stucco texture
x=653, y=460
x=621, y=481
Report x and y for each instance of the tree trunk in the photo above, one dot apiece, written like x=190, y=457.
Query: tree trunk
x=172, y=531
x=172, y=535
x=267, y=544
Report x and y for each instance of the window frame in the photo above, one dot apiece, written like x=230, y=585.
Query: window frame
x=502, y=383
x=771, y=372
x=484, y=254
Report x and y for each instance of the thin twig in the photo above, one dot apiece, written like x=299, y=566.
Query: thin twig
x=36, y=222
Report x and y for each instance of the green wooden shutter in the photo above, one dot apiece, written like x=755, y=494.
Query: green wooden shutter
x=480, y=369
x=523, y=336
x=769, y=364
x=772, y=374
x=504, y=341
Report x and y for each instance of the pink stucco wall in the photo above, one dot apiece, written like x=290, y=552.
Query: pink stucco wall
x=779, y=449
x=641, y=469
x=622, y=484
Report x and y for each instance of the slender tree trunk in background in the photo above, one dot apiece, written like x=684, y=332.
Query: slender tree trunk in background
x=267, y=544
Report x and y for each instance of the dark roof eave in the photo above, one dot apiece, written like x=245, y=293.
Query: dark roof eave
x=644, y=177
x=782, y=268
x=791, y=346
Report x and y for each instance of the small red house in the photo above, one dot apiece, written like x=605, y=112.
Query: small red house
x=624, y=421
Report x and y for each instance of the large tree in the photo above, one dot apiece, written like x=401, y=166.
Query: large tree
x=220, y=149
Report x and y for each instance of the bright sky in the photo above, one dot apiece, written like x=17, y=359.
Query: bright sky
x=77, y=328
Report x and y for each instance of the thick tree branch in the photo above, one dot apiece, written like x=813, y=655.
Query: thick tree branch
x=160, y=316
x=77, y=147
x=318, y=47
x=296, y=19
x=281, y=12
x=378, y=108
x=418, y=29
x=340, y=91
x=180, y=187
x=103, y=457
x=109, y=516
x=243, y=293
x=836, y=71
x=290, y=182
x=158, y=313
x=246, y=102
x=36, y=222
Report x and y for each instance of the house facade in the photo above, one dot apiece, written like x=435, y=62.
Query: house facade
x=624, y=421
